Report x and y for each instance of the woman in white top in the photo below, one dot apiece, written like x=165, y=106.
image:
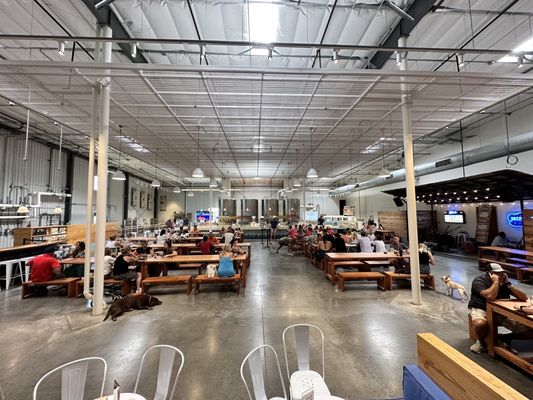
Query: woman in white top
x=379, y=244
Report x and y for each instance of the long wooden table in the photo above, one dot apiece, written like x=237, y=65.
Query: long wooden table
x=178, y=261
x=367, y=258
x=506, y=308
x=519, y=262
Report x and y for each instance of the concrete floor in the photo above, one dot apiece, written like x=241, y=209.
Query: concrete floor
x=369, y=334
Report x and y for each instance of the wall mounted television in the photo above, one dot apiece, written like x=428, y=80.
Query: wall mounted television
x=454, y=217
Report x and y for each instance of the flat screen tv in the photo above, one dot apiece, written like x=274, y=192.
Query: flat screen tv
x=454, y=217
x=311, y=215
x=202, y=216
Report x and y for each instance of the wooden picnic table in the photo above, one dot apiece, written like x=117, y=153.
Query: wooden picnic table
x=507, y=309
x=196, y=261
x=518, y=262
x=367, y=258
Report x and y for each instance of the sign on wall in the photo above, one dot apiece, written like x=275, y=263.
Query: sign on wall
x=514, y=219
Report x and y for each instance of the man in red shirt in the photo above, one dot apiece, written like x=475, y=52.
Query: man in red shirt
x=44, y=268
x=205, y=246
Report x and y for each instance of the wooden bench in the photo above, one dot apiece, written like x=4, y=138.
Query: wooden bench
x=522, y=274
x=362, y=276
x=516, y=260
x=509, y=267
x=359, y=265
x=427, y=279
x=201, y=279
x=124, y=286
x=70, y=284
x=167, y=280
x=456, y=374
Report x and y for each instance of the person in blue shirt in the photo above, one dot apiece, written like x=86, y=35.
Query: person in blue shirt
x=225, y=266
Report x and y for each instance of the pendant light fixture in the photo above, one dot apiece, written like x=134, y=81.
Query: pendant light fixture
x=58, y=210
x=384, y=172
x=198, y=173
x=190, y=193
x=312, y=173
x=119, y=175
x=213, y=182
x=177, y=188
x=155, y=183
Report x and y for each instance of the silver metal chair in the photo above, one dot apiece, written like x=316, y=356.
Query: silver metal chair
x=167, y=357
x=256, y=360
x=73, y=378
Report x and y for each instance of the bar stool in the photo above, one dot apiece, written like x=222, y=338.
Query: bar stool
x=26, y=275
x=13, y=271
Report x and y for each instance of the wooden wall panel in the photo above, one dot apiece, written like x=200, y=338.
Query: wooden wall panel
x=76, y=232
x=397, y=221
x=527, y=219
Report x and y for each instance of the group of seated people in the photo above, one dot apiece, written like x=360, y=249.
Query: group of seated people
x=121, y=261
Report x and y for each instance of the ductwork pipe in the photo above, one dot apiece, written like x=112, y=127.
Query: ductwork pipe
x=517, y=144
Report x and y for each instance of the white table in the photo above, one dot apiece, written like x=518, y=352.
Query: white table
x=124, y=396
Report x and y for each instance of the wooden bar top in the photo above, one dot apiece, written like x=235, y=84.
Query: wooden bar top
x=74, y=261
x=32, y=246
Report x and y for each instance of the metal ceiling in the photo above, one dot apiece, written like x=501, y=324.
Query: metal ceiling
x=249, y=111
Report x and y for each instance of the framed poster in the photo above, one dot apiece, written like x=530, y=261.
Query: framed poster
x=149, y=202
x=133, y=198
x=142, y=199
x=162, y=203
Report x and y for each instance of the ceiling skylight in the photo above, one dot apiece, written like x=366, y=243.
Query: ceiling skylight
x=527, y=46
x=264, y=21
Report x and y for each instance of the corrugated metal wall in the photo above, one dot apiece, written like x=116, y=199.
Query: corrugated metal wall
x=79, y=196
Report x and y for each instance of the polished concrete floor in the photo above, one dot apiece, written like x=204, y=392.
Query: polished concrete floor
x=369, y=334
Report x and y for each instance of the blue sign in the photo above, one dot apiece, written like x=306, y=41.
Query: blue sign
x=514, y=219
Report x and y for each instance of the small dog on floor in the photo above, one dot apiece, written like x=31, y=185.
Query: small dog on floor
x=131, y=302
x=284, y=241
x=451, y=286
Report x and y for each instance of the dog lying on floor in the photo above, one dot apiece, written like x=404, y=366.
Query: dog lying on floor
x=451, y=286
x=131, y=302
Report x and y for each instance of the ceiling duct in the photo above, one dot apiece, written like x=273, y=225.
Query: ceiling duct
x=516, y=145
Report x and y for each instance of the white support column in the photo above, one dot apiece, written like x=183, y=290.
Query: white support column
x=101, y=195
x=90, y=193
x=410, y=181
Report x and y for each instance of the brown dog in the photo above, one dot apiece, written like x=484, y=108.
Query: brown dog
x=131, y=302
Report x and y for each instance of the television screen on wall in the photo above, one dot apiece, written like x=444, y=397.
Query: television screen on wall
x=454, y=217
x=202, y=216
x=311, y=215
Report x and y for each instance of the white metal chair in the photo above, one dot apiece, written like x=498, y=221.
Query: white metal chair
x=25, y=260
x=73, y=377
x=167, y=358
x=13, y=271
x=255, y=360
x=304, y=378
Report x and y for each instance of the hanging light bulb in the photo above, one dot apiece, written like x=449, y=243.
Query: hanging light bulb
x=312, y=173
x=398, y=58
x=133, y=50
x=202, y=51
x=155, y=183
x=297, y=183
x=269, y=53
x=520, y=61
x=61, y=47
x=198, y=173
x=213, y=183
x=23, y=209
x=190, y=193
x=176, y=189
x=335, y=56
x=460, y=60
x=119, y=175
x=57, y=211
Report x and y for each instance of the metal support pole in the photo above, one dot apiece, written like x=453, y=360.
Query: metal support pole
x=410, y=181
x=210, y=207
x=101, y=195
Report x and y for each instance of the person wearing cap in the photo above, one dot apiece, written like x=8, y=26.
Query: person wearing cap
x=492, y=285
x=44, y=268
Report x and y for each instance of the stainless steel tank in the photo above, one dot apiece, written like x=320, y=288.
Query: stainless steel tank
x=291, y=209
x=250, y=208
x=270, y=208
x=228, y=208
